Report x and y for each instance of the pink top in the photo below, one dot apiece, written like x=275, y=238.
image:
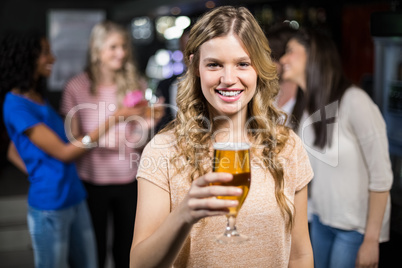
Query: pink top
x=115, y=159
x=260, y=218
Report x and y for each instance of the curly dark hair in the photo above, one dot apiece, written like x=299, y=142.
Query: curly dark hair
x=18, y=58
x=19, y=53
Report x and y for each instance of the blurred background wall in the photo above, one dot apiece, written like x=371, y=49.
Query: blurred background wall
x=347, y=20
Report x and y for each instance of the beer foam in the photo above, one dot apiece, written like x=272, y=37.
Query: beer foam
x=232, y=146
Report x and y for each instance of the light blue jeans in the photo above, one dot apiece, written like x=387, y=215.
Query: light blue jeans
x=62, y=238
x=332, y=247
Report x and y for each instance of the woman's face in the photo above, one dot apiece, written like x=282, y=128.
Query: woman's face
x=228, y=79
x=45, y=60
x=294, y=63
x=114, y=52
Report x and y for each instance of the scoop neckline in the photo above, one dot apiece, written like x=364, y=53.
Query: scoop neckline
x=28, y=99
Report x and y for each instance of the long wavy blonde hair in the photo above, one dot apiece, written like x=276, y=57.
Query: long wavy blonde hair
x=127, y=78
x=193, y=113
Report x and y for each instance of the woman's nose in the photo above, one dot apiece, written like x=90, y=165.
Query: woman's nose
x=228, y=76
x=121, y=52
x=282, y=59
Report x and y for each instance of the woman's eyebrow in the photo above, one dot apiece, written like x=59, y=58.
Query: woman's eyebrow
x=245, y=58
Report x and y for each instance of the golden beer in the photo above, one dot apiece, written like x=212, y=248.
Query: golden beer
x=233, y=158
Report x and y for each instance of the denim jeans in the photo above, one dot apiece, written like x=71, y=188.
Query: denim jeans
x=62, y=238
x=332, y=247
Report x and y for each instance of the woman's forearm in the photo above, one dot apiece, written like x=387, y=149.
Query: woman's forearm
x=306, y=261
x=159, y=233
x=161, y=248
x=377, y=206
x=76, y=148
x=48, y=141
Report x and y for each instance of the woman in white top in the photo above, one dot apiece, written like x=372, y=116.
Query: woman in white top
x=345, y=136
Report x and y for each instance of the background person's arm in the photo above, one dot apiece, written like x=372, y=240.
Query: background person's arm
x=48, y=141
x=369, y=252
x=370, y=130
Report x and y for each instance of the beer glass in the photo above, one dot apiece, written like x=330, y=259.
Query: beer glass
x=233, y=158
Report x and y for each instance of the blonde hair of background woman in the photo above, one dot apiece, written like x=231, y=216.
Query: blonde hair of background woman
x=127, y=78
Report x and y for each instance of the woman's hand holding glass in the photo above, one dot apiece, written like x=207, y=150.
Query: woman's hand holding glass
x=198, y=203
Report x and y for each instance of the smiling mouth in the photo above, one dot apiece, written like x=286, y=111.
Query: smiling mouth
x=229, y=93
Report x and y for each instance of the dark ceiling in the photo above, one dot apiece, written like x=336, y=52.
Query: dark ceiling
x=127, y=9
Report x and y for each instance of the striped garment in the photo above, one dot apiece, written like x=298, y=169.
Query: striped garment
x=115, y=160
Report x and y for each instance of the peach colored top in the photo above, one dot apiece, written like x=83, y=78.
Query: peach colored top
x=260, y=218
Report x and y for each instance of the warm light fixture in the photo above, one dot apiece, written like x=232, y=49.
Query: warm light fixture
x=210, y=4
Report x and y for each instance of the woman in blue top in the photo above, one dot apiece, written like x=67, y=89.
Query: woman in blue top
x=58, y=218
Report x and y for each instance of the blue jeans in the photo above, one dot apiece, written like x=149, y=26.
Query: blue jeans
x=62, y=238
x=332, y=247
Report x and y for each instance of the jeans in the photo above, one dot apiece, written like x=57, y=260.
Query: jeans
x=62, y=238
x=332, y=247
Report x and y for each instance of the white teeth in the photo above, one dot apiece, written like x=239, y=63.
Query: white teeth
x=229, y=93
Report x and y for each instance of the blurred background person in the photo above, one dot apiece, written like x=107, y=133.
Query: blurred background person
x=109, y=171
x=290, y=96
x=346, y=138
x=58, y=218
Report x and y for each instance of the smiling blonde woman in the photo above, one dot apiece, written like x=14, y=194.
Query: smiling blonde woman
x=230, y=81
